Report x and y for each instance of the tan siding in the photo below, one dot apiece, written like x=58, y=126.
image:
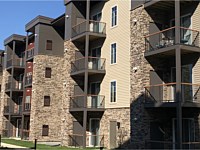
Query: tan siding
x=121, y=35
x=196, y=26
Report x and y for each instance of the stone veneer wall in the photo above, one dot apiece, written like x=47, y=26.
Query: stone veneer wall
x=3, y=101
x=121, y=115
x=139, y=78
x=67, y=118
x=53, y=87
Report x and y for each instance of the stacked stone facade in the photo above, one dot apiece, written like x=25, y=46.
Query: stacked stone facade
x=53, y=87
x=139, y=78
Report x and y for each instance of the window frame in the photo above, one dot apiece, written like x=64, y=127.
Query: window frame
x=48, y=74
x=49, y=48
x=47, y=103
x=111, y=52
x=116, y=15
x=113, y=81
x=45, y=130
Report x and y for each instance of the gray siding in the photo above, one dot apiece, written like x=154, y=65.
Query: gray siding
x=45, y=33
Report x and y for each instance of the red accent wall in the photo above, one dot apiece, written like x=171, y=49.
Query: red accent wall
x=30, y=46
x=29, y=68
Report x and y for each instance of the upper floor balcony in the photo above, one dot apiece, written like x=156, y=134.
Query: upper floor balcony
x=14, y=108
x=94, y=102
x=14, y=85
x=164, y=42
x=29, y=53
x=15, y=62
x=96, y=65
x=96, y=30
x=27, y=107
x=164, y=95
x=28, y=80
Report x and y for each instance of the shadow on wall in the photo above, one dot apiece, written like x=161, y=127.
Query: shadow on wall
x=155, y=127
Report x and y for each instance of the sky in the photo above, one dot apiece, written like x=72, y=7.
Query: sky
x=15, y=14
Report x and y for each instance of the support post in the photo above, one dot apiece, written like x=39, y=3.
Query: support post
x=86, y=73
x=178, y=76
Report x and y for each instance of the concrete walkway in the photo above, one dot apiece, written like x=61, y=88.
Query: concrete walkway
x=12, y=146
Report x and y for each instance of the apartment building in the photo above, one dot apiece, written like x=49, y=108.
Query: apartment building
x=106, y=74
x=32, y=84
x=97, y=37
x=165, y=74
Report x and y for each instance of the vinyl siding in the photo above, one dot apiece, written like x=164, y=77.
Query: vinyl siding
x=120, y=72
x=196, y=26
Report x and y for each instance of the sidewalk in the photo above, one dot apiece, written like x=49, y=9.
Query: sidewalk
x=12, y=146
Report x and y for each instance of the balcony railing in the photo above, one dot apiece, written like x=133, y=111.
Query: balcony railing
x=93, y=101
x=91, y=140
x=94, y=63
x=27, y=106
x=14, y=85
x=166, y=93
x=29, y=53
x=28, y=80
x=166, y=38
x=18, y=62
x=6, y=109
x=94, y=26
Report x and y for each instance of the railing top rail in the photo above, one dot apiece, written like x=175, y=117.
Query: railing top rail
x=173, y=83
x=168, y=142
x=89, y=57
x=87, y=95
x=89, y=21
x=169, y=29
x=86, y=135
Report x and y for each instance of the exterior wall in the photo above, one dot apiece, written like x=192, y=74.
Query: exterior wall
x=52, y=87
x=121, y=115
x=120, y=35
x=68, y=87
x=45, y=33
x=4, y=96
x=195, y=26
x=140, y=78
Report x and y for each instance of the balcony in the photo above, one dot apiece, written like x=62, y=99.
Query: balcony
x=76, y=140
x=6, y=109
x=15, y=62
x=164, y=41
x=14, y=85
x=28, y=80
x=26, y=134
x=96, y=30
x=27, y=107
x=164, y=95
x=29, y=53
x=94, y=102
x=95, y=65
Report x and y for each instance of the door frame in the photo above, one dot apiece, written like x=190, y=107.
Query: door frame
x=17, y=128
x=90, y=137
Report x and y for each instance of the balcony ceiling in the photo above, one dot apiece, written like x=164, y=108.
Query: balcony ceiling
x=167, y=5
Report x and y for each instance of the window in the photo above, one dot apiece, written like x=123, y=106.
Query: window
x=45, y=130
x=113, y=91
x=48, y=73
x=114, y=16
x=49, y=44
x=113, y=53
x=46, y=100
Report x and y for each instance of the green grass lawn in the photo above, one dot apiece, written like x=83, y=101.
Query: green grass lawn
x=39, y=146
x=31, y=145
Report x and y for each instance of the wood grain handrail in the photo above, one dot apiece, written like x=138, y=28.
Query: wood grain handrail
x=173, y=83
x=89, y=57
x=87, y=95
x=159, y=32
x=169, y=29
x=167, y=142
